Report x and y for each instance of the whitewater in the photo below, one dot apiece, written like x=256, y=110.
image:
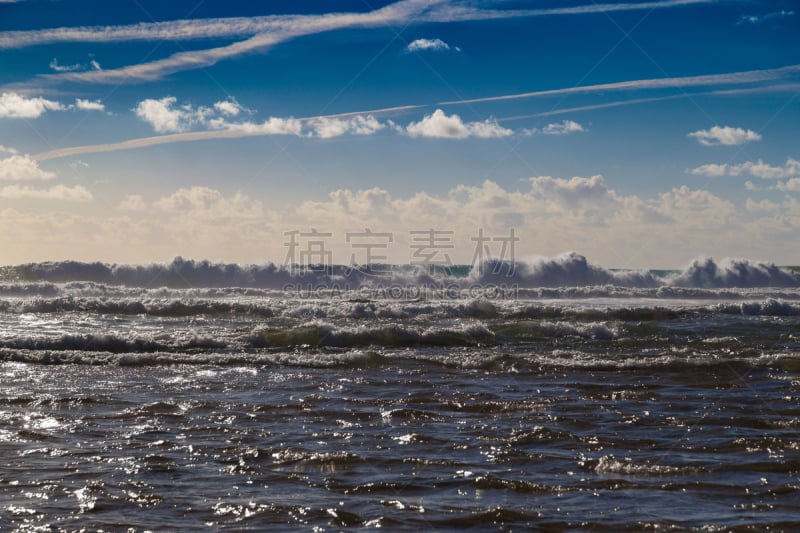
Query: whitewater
x=547, y=394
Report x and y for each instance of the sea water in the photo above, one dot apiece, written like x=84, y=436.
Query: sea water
x=556, y=396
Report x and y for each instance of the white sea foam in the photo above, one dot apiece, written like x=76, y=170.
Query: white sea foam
x=568, y=270
x=707, y=273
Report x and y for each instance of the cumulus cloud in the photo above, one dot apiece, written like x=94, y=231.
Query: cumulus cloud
x=230, y=108
x=557, y=128
x=164, y=117
x=549, y=214
x=13, y=105
x=271, y=126
x=132, y=202
x=87, y=105
x=207, y=202
x=757, y=169
x=683, y=204
x=762, y=206
x=574, y=191
x=561, y=128
x=725, y=135
x=326, y=128
x=435, y=45
x=792, y=185
x=77, y=193
x=712, y=170
x=22, y=168
x=440, y=125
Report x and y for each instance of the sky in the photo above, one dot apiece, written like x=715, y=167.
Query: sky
x=641, y=134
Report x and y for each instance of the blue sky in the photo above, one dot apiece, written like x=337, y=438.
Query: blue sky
x=641, y=134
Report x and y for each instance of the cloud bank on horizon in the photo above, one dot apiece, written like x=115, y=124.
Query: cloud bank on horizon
x=413, y=113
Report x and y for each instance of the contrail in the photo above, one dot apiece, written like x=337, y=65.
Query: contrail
x=143, y=142
x=733, y=78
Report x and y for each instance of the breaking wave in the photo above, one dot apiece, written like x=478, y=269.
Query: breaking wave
x=705, y=273
x=567, y=270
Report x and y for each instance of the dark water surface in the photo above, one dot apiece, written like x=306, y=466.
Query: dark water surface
x=189, y=410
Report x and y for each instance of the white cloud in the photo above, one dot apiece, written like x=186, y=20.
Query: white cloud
x=439, y=125
x=436, y=45
x=557, y=128
x=205, y=200
x=87, y=105
x=77, y=193
x=320, y=127
x=762, y=206
x=13, y=105
x=697, y=208
x=8, y=150
x=554, y=214
x=793, y=185
x=64, y=68
x=561, y=128
x=326, y=128
x=22, y=168
x=165, y=118
x=77, y=67
x=550, y=215
x=757, y=169
x=763, y=170
x=573, y=192
x=229, y=108
x=132, y=202
x=712, y=170
x=725, y=135
x=271, y=126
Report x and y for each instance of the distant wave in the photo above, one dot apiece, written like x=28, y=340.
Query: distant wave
x=390, y=335
x=466, y=358
x=393, y=310
x=567, y=270
x=706, y=273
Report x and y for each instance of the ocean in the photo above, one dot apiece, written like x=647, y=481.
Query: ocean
x=551, y=395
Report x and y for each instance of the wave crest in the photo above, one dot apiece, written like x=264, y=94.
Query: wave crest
x=566, y=270
x=740, y=273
